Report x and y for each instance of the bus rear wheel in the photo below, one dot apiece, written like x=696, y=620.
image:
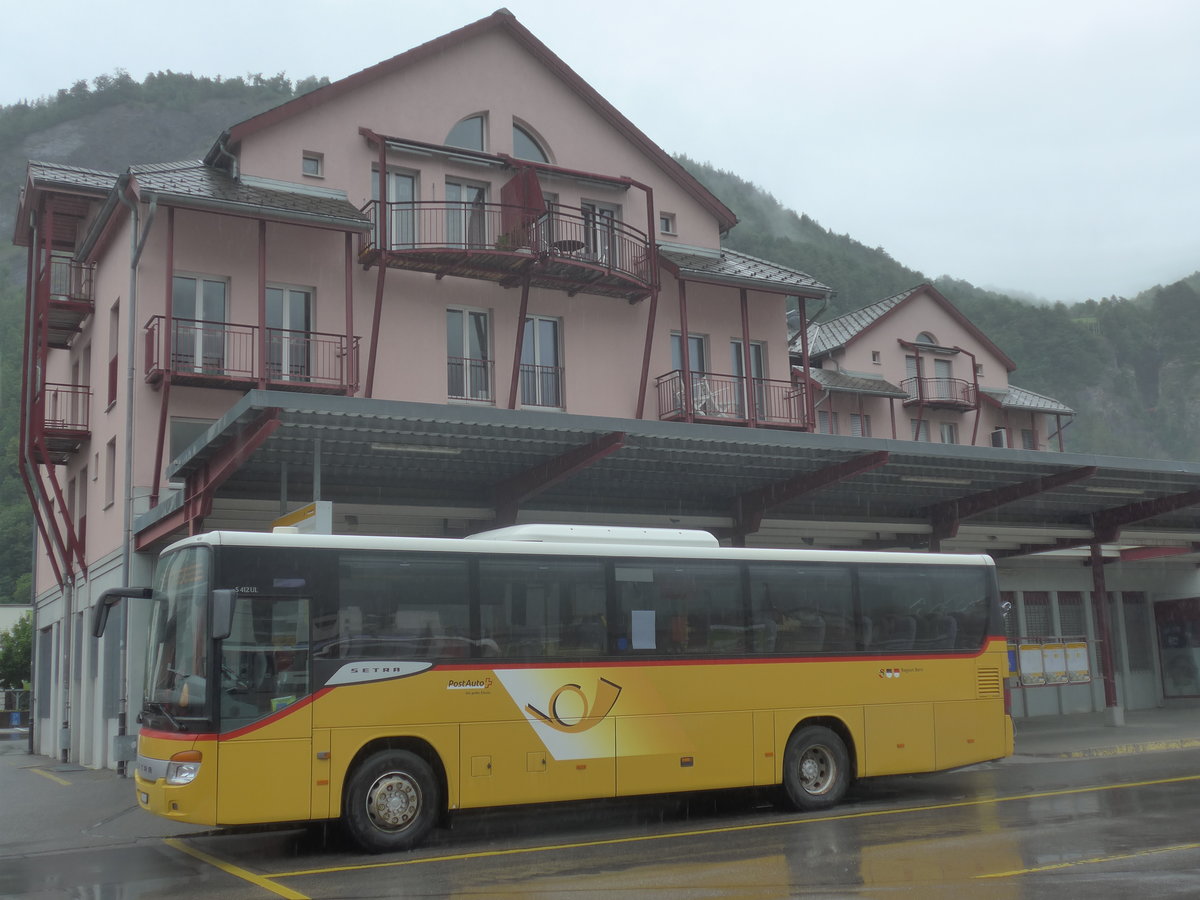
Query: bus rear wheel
x=391, y=801
x=816, y=768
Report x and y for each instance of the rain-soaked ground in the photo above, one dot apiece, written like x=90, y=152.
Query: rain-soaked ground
x=1024, y=828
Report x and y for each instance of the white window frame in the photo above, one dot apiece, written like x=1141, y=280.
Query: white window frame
x=314, y=160
x=286, y=341
x=205, y=339
x=538, y=384
x=472, y=390
x=948, y=432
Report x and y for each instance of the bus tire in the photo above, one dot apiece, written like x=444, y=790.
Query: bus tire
x=816, y=768
x=391, y=801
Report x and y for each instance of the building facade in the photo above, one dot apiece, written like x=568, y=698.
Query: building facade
x=430, y=293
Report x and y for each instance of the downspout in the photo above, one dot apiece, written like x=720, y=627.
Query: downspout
x=382, y=244
x=136, y=246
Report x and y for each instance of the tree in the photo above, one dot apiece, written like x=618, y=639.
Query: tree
x=16, y=653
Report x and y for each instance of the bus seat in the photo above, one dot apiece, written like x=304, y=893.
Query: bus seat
x=864, y=631
x=802, y=632
x=937, y=632
x=899, y=633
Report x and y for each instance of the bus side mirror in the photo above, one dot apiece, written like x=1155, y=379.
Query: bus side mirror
x=222, y=613
x=109, y=599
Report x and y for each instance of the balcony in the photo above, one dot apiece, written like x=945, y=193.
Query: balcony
x=723, y=399
x=64, y=413
x=71, y=296
x=573, y=250
x=227, y=355
x=940, y=393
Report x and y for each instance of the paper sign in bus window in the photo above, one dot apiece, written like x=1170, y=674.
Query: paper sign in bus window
x=643, y=629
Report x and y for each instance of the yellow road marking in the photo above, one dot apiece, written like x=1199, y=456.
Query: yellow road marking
x=1092, y=861
x=730, y=829
x=51, y=776
x=236, y=871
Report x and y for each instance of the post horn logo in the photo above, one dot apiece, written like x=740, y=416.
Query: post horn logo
x=606, y=697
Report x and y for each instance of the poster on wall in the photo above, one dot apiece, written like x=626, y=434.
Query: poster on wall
x=1079, y=669
x=1054, y=663
x=1033, y=670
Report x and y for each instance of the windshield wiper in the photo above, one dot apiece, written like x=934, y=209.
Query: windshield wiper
x=161, y=709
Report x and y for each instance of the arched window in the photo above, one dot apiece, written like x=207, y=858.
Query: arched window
x=467, y=134
x=526, y=146
x=926, y=338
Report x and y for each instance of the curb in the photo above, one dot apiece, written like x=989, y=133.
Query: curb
x=1121, y=749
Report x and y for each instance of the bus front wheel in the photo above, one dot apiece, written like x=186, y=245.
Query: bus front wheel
x=391, y=801
x=816, y=768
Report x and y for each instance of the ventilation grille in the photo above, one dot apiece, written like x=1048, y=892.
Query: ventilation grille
x=988, y=683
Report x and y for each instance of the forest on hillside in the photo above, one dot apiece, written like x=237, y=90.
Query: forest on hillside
x=1130, y=367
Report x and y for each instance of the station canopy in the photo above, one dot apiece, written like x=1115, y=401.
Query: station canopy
x=411, y=468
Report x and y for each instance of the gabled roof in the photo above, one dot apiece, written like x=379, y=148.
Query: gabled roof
x=825, y=337
x=854, y=384
x=738, y=269
x=1021, y=398
x=502, y=20
x=43, y=174
x=192, y=183
x=59, y=178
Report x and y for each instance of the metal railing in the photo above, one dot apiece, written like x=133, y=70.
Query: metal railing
x=469, y=379
x=200, y=350
x=716, y=396
x=541, y=386
x=572, y=234
x=952, y=391
x=65, y=407
x=71, y=281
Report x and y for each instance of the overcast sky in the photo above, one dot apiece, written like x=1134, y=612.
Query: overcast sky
x=1044, y=146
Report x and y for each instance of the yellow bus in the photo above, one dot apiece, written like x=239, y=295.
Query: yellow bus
x=389, y=682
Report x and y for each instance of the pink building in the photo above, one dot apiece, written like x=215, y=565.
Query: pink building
x=912, y=367
x=453, y=291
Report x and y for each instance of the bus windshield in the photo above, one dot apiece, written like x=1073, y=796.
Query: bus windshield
x=177, y=652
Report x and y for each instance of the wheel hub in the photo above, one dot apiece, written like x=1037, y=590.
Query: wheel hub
x=393, y=801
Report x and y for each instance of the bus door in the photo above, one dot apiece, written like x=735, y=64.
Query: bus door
x=265, y=750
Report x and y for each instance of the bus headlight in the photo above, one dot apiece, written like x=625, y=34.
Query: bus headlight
x=183, y=767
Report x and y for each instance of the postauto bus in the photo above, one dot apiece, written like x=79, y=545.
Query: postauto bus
x=388, y=682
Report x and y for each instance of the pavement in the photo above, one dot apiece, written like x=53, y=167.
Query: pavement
x=47, y=805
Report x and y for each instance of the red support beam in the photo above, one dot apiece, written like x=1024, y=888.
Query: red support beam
x=945, y=517
x=168, y=361
x=520, y=344
x=203, y=485
x=510, y=494
x=641, y=403
x=1103, y=627
x=750, y=507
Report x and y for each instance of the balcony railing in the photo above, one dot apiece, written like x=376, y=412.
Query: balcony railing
x=224, y=354
x=70, y=290
x=494, y=241
x=65, y=407
x=542, y=386
x=64, y=412
x=947, y=393
x=470, y=379
x=732, y=399
x=71, y=281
